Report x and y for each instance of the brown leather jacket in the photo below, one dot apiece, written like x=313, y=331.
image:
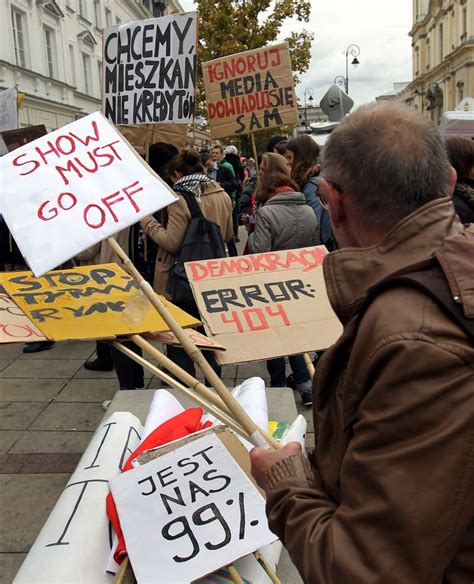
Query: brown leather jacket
x=387, y=497
x=216, y=206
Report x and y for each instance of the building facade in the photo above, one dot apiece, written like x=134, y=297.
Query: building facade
x=51, y=50
x=443, y=56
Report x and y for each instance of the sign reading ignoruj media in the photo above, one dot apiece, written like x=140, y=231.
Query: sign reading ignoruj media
x=74, y=187
x=250, y=91
x=265, y=305
x=150, y=70
x=90, y=302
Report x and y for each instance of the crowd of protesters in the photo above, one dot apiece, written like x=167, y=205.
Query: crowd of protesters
x=387, y=494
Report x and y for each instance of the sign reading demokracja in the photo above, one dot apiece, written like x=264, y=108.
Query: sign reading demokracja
x=250, y=91
x=150, y=70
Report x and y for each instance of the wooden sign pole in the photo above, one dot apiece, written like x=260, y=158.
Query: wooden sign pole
x=309, y=365
x=199, y=399
x=256, y=435
x=181, y=374
x=254, y=150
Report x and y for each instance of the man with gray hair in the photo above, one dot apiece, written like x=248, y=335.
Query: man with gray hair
x=388, y=494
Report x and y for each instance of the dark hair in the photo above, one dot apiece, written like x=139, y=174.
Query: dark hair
x=205, y=156
x=389, y=160
x=305, y=158
x=273, y=142
x=159, y=156
x=186, y=162
x=281, y=147
x=461, y=155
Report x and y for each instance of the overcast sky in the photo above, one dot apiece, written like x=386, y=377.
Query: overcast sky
x=379, y=27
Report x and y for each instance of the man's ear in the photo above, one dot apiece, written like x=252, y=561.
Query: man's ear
x=334, y=202
x=453, y=179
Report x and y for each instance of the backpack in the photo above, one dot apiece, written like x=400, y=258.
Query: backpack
x=203, y=241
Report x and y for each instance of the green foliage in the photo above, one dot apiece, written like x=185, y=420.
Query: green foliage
x=232, y=26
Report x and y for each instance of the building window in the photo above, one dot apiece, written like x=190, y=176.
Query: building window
x=97, y=13
x=119, y=22
x=86, y=64
x=51, y=60
x=83, y=8
x=441, y=42
x=108, y=17
x=19, y=29
x=72, y=60
x=464, y=24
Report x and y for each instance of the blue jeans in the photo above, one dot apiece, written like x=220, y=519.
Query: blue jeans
x=277, y=370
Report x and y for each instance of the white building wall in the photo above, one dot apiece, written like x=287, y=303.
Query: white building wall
x=63, y=97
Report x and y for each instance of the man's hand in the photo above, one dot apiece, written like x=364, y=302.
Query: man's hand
x=262, y=460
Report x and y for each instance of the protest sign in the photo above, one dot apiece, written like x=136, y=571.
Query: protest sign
x=150, y=70
x=141, y=137
x=8, y=109
x=74, y=187
x=13, y=139
x=190, y=511
x=16, y=327
x=196, y=337
x=90, y=302
x=250, y=91
x=265, y=305
x=74, y=544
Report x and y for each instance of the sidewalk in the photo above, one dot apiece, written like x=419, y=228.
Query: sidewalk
x=50, y=407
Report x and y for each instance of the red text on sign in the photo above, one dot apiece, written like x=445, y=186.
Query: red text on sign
x=255, y=319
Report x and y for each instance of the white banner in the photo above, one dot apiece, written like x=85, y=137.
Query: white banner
x=8, y=109
x=74, y=187
x=150, y=70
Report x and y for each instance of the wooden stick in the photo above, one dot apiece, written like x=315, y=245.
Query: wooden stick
x=125, y=574
x=309, y=365
x=183, y=375
x=201, y=401
x=234, y=574
x=257, y=436
x=254, y=149
x=266, y=566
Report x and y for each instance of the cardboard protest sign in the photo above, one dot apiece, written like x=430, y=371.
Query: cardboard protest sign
x=196, y=337
x=16, y=327
x=150, y=70
x=73, y=188
x=90, y=302
x=190, y=511
x=143, y=136
x=250, y=91
x=13, y=139
x=265, y=305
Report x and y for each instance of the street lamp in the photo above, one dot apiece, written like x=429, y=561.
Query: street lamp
x=309, y=92
x=353, y=51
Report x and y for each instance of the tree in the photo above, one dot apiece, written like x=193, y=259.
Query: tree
x=232, y=26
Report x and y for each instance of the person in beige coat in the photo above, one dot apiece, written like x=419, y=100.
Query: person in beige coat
x=187, y=173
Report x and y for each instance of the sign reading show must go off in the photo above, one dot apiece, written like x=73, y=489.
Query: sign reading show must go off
x=250, y=91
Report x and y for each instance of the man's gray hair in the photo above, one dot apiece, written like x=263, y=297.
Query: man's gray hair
x=389, y=160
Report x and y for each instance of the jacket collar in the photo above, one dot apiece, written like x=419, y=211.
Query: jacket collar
x=351, y=272
x=285, y=198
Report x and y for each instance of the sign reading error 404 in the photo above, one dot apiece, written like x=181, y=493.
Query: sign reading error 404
x=189, y=512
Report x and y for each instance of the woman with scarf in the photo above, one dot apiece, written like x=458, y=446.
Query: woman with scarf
x=283, y=221
x=187, y=174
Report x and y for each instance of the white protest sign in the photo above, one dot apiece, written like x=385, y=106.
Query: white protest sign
x=150, y=70
x=8, y=109
x=74, y=187
x=74, y=543
x=189, y=512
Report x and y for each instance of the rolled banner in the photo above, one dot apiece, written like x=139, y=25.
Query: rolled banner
x=74, y=544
